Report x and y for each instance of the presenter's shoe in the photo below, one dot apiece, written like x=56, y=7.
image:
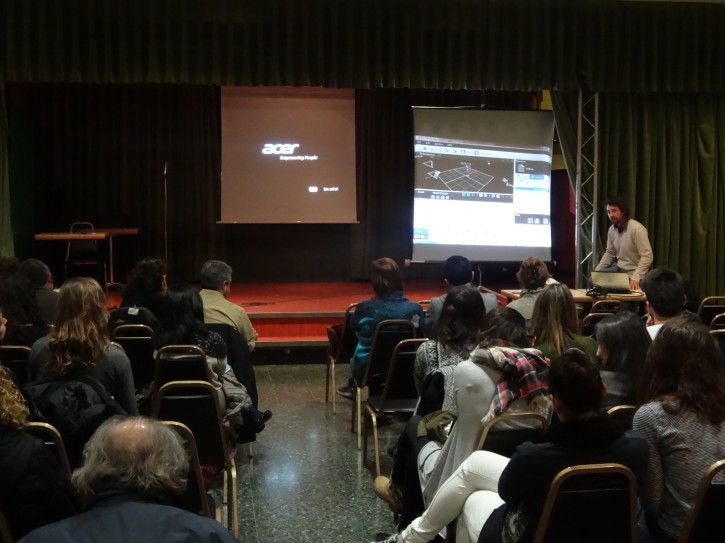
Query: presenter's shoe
x=389, y=493
x=347, y=391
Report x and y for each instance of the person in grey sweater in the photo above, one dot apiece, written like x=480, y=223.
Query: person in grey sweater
x=682, y=420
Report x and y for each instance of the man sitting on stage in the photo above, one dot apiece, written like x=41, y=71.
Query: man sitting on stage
x=628, y=248
x=216, y=280
x=456, y=271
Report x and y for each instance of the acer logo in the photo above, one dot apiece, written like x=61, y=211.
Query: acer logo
x=279, y=148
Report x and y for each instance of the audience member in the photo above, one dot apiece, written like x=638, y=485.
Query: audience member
x=79, y=342
x=554, y=323
x=146, y=285
x=8, y=266
x=17, y=299
x=454, y=337
x=457, y=270
x=665, y=292
x=216, y=280
x=33, y=489
x=532, y=277
x=682, y=420
x=622, y=344
x=41, y=280
x=132, y=470
x=388, y=303
x=500, y=375
x=181, y=322
x=500, y=498
x=3, y=325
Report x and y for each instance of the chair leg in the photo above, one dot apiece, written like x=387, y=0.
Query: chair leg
x=365, y=427
x=232, y=511
x=352, y=411
x=358, y=417
x=250, y=448
x=327, y=380
x=225, y=487
x=376, y=443
x=333, y=390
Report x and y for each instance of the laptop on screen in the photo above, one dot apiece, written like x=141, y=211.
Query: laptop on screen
x=616, y=283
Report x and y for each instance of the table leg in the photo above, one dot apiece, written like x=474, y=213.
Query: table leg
x=110, y=259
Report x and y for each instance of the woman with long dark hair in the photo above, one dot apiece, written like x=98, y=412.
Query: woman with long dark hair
x=454, y=335
x=622, y=344
x=554, y=323
x=181, y=322
x=682, y=419
x=532, y=277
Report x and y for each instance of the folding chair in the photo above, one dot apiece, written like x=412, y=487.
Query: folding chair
x=623, y=415
x=590, y=321
x=710, y=306
x=704, y=521
x=606, y=306
x=592, y=502
x=399, y=395
x=497, y=436
x=50, y=435
x=345, y=348
x=719, y=338
x=195, y=495
x=84, y=253
x=16, y=359
x=387, y=335
x=196, y=405
x=718, y=322
x=180, y=363
x=135, y=339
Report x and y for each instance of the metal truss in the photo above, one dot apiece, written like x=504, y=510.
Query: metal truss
x=587, y=186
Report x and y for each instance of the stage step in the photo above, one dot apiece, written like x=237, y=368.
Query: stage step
x=288, y=330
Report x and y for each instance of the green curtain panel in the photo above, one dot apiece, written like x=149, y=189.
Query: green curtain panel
x=666, y=154
x=605, y=45
x=6, y=231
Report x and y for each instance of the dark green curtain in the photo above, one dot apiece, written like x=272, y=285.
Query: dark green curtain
x=605, y=45
x=6, y=231
x=100, y=152
x=666, y=154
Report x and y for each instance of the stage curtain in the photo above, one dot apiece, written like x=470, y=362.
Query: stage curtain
x=100, y=152
x=6, y=230
x=603, y=45
x=666, y=154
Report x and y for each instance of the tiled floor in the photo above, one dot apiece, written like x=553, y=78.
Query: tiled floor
x=307, y=482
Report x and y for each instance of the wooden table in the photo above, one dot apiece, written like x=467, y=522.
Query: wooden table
x=97, y=234
x=580, y=296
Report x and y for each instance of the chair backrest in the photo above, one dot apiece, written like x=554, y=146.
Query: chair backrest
x=496, y=435
x=195, y=497
x=718, y=322
x=195, y=404
x=623, y=415
x=400, y=384
x=590, y=321
x=135, y=339
x=131, y=315
x=606, y=306
x=709, y=307
x=180, y=363
x=50, y=435
x=15, y=358
x=593, y=502
x=387, y=335
x=81, y=249
x=348, y=339
x=704, y=521
x=720, y=338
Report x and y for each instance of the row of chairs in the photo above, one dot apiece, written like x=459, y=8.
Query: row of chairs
x=192, y=410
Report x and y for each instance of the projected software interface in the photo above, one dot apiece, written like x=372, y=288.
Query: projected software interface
x=474, y=193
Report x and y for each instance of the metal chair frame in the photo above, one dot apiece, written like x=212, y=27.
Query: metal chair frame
x=519, y=416
x=50, y=435
x=330, y=388
x=566, y=474
x=700, y=497
x=710, y=301
x=371, y=411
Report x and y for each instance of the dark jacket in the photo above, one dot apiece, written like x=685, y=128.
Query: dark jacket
x=524, y=483
x=33, y=489
x=120, y=515
x=76, y=405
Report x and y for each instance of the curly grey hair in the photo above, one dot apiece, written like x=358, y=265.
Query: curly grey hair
x=136, y=452
x=214, y=273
